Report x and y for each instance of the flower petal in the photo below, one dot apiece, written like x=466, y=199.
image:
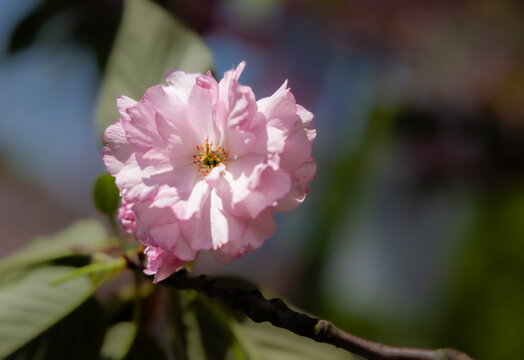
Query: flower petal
x=244, y=174
x=305, y=173
x=123, y=103
x=168, y=237
x=130, y=181
x=201, y=103
x=258, y=230
x=141, y=130
x=214, y=226
x=226, y=228
x=161, y=263
x=170, y=264
x=185, y=209
x=235, y=111
x=280, y=112
x=298, y=147
x=118, y=150
x=180, y=83
x=180, y=134
x=148, y=214
x=272, y=186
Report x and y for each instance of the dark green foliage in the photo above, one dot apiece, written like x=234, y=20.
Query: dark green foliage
x=487, y=292
x=145, y=346
x=31, y=305
x=215, y=331
x=92, y=23
x=78, y=335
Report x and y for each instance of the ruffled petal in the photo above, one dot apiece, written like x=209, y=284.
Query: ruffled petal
x=180, y=180
x=148, y=214
x=118, y=150
x=168, y=237
x=160, y=263
x=180, y=84
x=258, y=230
x=305, y=116
x=127, y=217
x=244, y=175
x=123, y=103
x=297, y=194
x=170, y=264
x=201, y=103
x=185, y=209
x=235, y=111
x=272, y=187
x=196, y=230
x=298, y=146
x=172, y=121
x=280, y=112
x=226, y=228
x=130, y=181
x=215, y=226
x=141, y=130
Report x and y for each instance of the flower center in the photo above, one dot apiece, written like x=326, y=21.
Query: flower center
x=207, y=158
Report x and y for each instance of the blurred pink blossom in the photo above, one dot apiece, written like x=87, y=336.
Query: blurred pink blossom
x=204, y=165
x=126, y=217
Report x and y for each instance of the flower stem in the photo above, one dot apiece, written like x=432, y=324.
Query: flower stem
x=137, y=301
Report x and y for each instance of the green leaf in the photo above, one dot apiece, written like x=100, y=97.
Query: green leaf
x=83, y=237
x=194, y=349
x=213, y=333
x=94, y=268
x=149, y=42
x=176, y=324
x=79, y=335
x=198, y=329
x=215, y=330
x=32, y=305
x=106, y=194
x=272, y=343
x=118, y=340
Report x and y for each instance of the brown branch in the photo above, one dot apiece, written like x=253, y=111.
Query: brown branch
x=259, y=309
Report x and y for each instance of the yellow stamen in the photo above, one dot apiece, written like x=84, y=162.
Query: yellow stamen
x=207, y=158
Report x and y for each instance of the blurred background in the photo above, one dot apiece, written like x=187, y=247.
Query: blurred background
x=413, y=230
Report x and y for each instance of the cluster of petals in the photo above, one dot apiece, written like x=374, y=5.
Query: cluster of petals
x=126, y=217
x=203, y=165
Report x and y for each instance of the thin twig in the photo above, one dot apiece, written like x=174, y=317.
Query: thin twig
x=275, y=311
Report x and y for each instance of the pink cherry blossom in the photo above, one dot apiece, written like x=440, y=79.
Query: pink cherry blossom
x=202, y=165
